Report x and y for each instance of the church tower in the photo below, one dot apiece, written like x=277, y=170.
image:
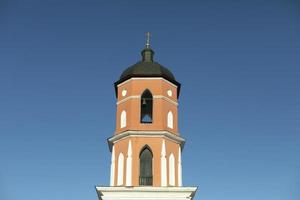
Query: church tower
x=146, y=146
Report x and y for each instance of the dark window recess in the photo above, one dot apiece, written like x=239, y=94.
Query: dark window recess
x=146, y=167
x=146, y=107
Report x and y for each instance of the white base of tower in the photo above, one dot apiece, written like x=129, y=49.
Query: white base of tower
x=146, y=193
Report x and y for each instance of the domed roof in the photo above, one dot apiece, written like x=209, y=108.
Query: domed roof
x=147, y=68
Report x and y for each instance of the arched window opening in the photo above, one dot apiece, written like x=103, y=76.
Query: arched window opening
x=170, y=119
x=123, y=119
x=172, y=170
x=120, y=169
x=146, y=107
x=146, y=166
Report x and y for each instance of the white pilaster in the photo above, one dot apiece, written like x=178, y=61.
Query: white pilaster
x=129, y=165
x=179, y=168
x=112, y=167
x=171, y=170
x=163, y=165
x=120, y=169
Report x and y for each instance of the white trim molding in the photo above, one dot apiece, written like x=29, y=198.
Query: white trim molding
x=155, y=97
x=149, y=78
x=165, y=134
x=148, y=193
x=127, y=98
x=165, y=98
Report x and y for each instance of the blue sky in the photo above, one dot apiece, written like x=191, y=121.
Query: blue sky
x=238, y=62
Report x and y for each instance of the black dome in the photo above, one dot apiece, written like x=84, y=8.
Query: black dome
x=147, y=68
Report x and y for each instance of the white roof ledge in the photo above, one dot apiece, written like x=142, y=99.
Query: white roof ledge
x=174, y=137
x=148, y=193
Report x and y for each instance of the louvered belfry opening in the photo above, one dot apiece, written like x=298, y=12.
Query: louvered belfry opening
x=146, y=107
x=146, y=167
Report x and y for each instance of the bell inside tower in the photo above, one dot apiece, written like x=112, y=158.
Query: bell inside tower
x=146, y=145
x=146, y=107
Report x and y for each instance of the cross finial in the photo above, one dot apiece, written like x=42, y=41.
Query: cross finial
x=148, y=40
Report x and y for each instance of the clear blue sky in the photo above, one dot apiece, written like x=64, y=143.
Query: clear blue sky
x=238, y=62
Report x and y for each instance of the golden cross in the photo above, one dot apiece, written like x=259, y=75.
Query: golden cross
x=148, y=40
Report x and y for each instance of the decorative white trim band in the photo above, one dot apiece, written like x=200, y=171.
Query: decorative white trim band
x=149, y=78
x=155, y=97
x=166, y=134
x=165, y=98
x=127, y=98
x=149, y=193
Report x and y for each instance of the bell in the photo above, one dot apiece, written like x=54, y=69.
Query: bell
x=144, y=101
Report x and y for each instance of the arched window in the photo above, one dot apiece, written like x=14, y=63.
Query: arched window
x=170, y=119
x=146, y=166
x=172, y=170
x=146, y=107
x=120, y=169
x=123, y=119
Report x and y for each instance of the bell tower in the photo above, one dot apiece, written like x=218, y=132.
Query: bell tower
x=146, y=145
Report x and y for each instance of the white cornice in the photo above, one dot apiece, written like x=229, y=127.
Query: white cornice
x=165, y=98
x=148, y=193
x=127, y=98
x=148, y=78
x=165, y=134
x=155, y=97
